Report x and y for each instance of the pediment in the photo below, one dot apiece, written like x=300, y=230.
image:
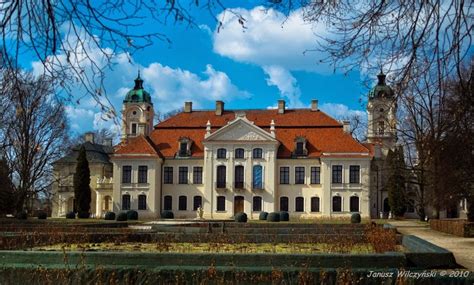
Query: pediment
x=240, y=129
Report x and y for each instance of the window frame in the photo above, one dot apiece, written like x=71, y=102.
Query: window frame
x=239, y=183
x=356, y=179
x=182, y=201
x=350, y=204
x=257, y=153
x=297, y=182
x=140, y=202
x=195, y=206
x=195, y=177
x=129, y=180
x=128, y=203
x=237, y=151
x=299, y=201
x=219, y=207
x=183, y=179
x=168, y=175
x=142, y=178
x=341, y=171
x=287, y=180
x=340, y=204
x=167, y=201
x=317, y=177
x=254, y=204
x=221, y=153
x=287, y=203
x=314, y=198
x=221, y=176
x=254, y=185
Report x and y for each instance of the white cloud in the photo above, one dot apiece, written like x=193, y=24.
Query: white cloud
x=269, y=38
x=341, y=111
x=286, y=84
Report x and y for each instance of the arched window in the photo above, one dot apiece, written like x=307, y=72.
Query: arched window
x=354, y=204
x=315, y=204
x=257, y=181
x=257, y=153
x=284, y=204
x=257, y=204
x=220, y=203
x=168, y=203
x=126, y=202
x=221, y=153
x=197, y=202
x=182, y=203
x=336, y=204
x=221, y=176
x=239, y=177
x=239, y=153
x=299, y=204
x=142, y=202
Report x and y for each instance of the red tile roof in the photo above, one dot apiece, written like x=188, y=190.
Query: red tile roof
x=323, y=133
x=137, y=146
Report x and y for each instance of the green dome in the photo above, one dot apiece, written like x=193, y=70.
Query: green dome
x=381, y=90
x=138, y=94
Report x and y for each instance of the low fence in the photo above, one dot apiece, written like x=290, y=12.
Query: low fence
x=456, y=227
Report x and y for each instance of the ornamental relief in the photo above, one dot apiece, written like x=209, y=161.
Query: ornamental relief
x=241, y=134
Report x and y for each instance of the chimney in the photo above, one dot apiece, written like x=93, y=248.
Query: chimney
x=281, y=106
x=188, y=107
x=219, y=108
x=89, y=137
x=314, y=105
x=346, y=126
x=107, y=142
x=141, y=129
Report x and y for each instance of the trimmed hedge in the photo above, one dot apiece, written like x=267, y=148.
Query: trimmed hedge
x=263, y=216
x=42, y=215
x=71, y=215
x=355, y=218
x=284, y=216
x=83, y=215
x=132, y=215
x=109, y=216
x=241, y=217
x=122, y=216
x=22, y=215
x=167, y=215
x=273, y=217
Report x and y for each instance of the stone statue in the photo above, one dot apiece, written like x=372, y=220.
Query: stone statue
x=200, y=212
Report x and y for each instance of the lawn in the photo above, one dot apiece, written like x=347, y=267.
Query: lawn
x=300, y=248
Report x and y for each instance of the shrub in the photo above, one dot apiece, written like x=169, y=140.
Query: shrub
x=42, y=215
x=273, y=217
x=83, y=215
x=355, y=218
x=382, y=240
x=22, y=215
x=71, y=215
x=284, y=216
x=109, y=216
x=241, y=217
x=263, y=216
x=167, y=215
x=122, y=216
x=132, y=215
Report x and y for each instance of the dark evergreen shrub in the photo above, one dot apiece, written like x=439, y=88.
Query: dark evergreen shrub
x=71, y=215
x=241, y=217
x=132, y=215
x=22, y=215
x=284, y=216
x=273, y=217
x=83, y=215
x=167, y=215
x=42, y=215
x=263, y=216
x=122, y=216
x=355, y=218
x=109, y=216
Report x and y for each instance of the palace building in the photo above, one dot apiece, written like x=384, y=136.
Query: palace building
x=226, y=161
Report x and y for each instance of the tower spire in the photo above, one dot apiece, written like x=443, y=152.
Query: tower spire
x=138, y=82
x=381, y=76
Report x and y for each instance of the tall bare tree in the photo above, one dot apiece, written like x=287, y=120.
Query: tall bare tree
x=35, y=132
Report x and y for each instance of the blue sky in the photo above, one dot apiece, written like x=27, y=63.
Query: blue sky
x=246, y=68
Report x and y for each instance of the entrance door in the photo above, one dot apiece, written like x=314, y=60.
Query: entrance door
x=238, y=204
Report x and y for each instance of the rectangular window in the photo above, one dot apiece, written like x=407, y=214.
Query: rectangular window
x=239, y=177
x=142, y=174
x=183, y=175
x=197, y=175
x=221, y=176
x=183, y=149
x=182, y=203
x=221, y=203
x=126, y=174
x=141, y=202
x=315, y=175
x=299, y=175
x=126, y=202
x=134, y=129
x=354, y=174
x=337, y=174
x=299, y=148
x=314, y=204
x=168, y=175
x=257, y=204
x=284, y=175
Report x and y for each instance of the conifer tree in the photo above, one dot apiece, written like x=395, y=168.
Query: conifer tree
x=396, y=182
x=82, y=190
x=7, y=202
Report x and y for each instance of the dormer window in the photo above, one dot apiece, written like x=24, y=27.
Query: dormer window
x=185, y=144
x=300, y=147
